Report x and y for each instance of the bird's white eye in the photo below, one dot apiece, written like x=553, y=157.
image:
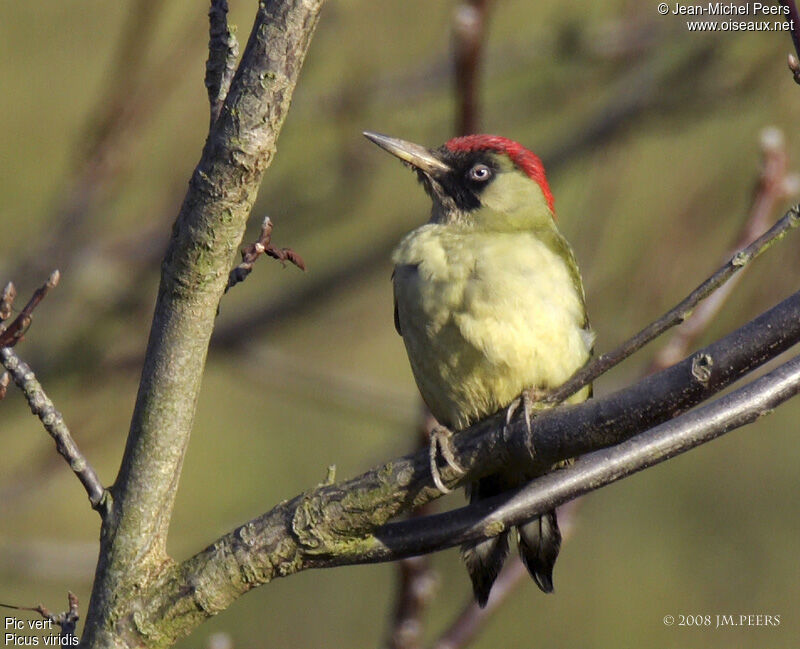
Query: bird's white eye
x=480, y=173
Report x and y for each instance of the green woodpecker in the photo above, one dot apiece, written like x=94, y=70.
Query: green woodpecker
x=489, y=302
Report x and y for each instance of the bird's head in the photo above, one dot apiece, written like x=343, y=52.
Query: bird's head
x=482, y=181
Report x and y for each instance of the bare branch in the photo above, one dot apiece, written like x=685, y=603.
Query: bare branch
x=54, y=424
x=472, y=617
x=417, y=583
x=5, y=379
x=6, y=303
x=679, y=312
x=223, y=51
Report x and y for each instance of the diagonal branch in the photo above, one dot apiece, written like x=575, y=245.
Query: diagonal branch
x=774, y=184
x=54, y=424
x=679, y=312
x=40, y=404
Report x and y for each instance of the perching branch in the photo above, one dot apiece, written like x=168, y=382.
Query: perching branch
x=593, y=471
x=679, y=312
x=346, y=523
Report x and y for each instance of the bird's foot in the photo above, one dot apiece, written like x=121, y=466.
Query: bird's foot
x=523, y=401
x=441, y=443
x=528, y=401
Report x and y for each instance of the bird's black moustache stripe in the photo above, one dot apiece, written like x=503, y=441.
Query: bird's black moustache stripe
x=455, y=188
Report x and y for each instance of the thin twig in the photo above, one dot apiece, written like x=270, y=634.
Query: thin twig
x=53, y=422
x=13, y=333
x=66, y=621
x=678, y=313
x=263, y=245
x=774, y=184
x=223, y=52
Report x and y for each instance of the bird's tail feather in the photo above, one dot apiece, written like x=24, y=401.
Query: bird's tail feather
x=484, y=560
x=539, y=543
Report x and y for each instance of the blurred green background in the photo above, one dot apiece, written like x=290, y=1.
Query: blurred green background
x=651, y=135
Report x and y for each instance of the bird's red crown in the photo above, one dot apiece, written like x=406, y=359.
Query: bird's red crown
x=526, y=161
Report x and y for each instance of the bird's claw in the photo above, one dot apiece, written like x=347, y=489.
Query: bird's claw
x=440, y=443
x=526, y=402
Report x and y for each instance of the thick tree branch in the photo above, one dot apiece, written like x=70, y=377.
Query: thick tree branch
x=340, y=524
x=54, y=424
x=195, y=270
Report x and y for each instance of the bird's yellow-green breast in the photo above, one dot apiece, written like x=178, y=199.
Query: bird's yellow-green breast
x=485, y=315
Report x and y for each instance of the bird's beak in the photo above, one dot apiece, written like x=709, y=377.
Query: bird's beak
x=414, y=154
